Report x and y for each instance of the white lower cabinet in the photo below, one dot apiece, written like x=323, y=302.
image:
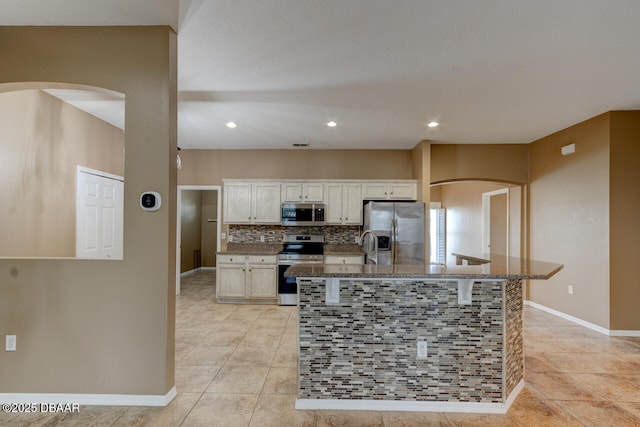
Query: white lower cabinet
x=344, y=259
x=246, y=277
x=262, y=277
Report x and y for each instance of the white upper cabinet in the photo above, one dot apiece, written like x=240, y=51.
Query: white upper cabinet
x=252, y=203
x=303, y=192
x=390, y=191
x=344, y=203
x=237, y=203
x=259, y=201
x=266, y=209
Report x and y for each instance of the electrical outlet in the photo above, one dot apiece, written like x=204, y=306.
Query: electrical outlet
x=570, y=289
x=422, y=349
x=262, y=238
x=10, y=343
x=223, y=236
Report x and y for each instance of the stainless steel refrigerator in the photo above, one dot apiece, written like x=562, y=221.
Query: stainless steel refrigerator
x=400, y=230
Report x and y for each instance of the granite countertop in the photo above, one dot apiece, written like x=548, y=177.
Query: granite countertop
x=343, y=249
x=499, y=268
x=251, y=249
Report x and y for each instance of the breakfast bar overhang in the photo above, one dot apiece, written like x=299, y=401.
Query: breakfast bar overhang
x=413, y=337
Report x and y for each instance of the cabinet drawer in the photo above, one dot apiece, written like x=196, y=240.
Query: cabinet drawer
x=261, y=259
x=231, y=259
x=344, y=259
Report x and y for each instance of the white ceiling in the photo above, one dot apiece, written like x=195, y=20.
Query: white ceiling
x=490, y=71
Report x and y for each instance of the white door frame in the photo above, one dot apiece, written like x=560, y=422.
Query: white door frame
x=486, y=213
x=179, y=222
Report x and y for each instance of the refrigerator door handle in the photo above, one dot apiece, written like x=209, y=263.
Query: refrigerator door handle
x=394, y=241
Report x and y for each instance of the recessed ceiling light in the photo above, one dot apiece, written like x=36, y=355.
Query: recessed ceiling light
x=433, y=124
x=332, y=124
x=232, y=125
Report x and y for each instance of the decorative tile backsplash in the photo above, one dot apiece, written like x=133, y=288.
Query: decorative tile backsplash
x=333, y=234
x=365, y=346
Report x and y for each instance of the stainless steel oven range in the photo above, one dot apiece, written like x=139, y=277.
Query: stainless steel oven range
x=297, y=249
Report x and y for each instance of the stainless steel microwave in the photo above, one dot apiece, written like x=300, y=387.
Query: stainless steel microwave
x=302, y=214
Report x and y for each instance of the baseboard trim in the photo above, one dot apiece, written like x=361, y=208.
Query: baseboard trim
x=405, y=406
x=589, y=325
x=195, y=270
x=91, y=399
x=623, y=333
x=514, y=394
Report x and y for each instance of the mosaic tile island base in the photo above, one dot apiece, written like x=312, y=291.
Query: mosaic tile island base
x=360, y=328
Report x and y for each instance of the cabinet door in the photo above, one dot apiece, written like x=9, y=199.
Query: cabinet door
x=266, y=203
x=375, y=190
x=313, y=192
x=261, y=281
x=230, y=281
x=352, y=204
x=333, y=213
x=237, y=203
x=403, y=191
x=292, y=192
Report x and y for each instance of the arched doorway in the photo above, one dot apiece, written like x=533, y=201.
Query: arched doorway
x=466, y=209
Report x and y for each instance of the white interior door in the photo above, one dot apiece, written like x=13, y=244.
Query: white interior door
x=99, y=214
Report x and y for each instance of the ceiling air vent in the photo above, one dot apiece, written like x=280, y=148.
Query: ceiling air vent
x=299, y=145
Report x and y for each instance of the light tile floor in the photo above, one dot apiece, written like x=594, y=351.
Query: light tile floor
x=236, y=366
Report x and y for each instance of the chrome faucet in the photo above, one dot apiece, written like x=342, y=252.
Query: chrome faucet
x=374, y=258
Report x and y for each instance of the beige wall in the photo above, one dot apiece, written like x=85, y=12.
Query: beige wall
x=209, y=167
x=569, y=219
x=421, y=166
x=209, y=241
x=190, y=228
x=87, y=326
x=487, y=162
x=464, y=223
x=624, y=212
x=43, y=140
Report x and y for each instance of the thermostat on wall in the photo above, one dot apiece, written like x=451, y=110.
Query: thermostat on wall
x=150, y=201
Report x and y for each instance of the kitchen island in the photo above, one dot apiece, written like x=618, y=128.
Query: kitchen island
x=413, y=337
